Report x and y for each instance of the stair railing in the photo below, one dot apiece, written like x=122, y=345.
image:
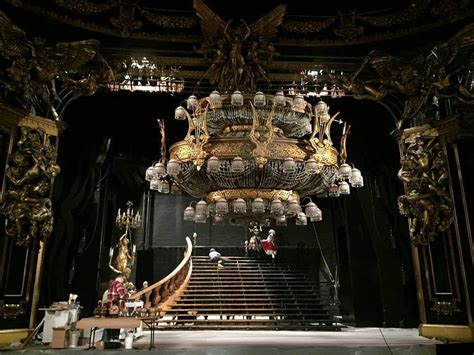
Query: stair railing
x=170, y=288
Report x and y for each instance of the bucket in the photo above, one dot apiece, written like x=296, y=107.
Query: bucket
x=74, y=338
x=129, y=341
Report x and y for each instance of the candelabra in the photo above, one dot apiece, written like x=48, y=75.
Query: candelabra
x=125, y=257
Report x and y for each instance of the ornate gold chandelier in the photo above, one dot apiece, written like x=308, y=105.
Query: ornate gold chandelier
x=252, y=157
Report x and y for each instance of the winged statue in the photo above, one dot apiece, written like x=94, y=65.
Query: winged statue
x=441, y=73
x=239, y=53
x=32, y=70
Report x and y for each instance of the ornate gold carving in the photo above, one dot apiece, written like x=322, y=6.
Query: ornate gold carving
x=51, y=128
x=238, y=53
x=266, y=194
x=231, y=147
x=426, y=203
x=444, y=307
x=261, y=136
x=26, y=205
x=243, y=127
x=35, y=68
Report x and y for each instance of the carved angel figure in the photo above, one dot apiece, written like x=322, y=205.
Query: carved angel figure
x=419, y=79
x=239, y=52
x=34, y=70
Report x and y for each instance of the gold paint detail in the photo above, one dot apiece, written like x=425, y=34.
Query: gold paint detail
x=266, y=194
x=50, y=127
x=228, y=148
x=246, y=128
x=447, y=332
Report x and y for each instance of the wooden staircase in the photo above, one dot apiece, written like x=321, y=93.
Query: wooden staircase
x=248, y=294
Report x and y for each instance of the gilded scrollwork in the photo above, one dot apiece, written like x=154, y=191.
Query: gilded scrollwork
x=426, y=202
x=26, y=205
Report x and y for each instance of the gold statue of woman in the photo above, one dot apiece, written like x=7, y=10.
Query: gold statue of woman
x=123, y=257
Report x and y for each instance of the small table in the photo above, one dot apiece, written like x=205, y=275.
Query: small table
x=107, y=323
x=151, y=323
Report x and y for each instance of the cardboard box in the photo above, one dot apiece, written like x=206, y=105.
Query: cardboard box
x=60, y=338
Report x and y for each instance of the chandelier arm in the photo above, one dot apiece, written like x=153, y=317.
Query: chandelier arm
x=327, y=130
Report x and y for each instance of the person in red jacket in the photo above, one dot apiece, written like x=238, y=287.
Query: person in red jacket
x=268, y=245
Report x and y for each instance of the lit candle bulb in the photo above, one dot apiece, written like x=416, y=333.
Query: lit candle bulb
x=134, y=248
x=111, y=252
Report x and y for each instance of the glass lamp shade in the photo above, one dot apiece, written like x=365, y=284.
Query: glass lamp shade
x=164, y=187
x=200, y=218
x=173, y=168
x=281, y=220
x=333, y=190
x=311, y=167
x=237, y=99
x=310, y=209
x=213, y=164
x=201, y=208
x=293, y=207
x=237, y=165
x=345, y=171
x=155, y=184
x=189, y=213
x=240, y=206
x=149, y=173
x=344, y=188
x=258, y=206
x=276, y=207
x=180, y=113
x=359, y=182
x=299, y=104
x=355, y=175
x=159, y=169
x=301, y=219
x=320, y=108
x=192, y=102
x=289, y=165
x=259, y=99
x=279, y=99
x=221, y=206
x=215, y=99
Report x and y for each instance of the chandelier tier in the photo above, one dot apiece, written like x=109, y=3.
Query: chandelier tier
x=252, y=157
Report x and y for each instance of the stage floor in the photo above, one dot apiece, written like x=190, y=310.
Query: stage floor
x=373, y=341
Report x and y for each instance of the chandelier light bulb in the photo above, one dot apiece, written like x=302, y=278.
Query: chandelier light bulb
x=200, y=218
x=149, y=173
x=344, y=188
x=215, y=99
x=289, y=165
x=301, y=219
x=240, y=206
x=311, y=167
x=276, y=207
x=155, y=184
x=201, y=208
x=333, y=190
x=192, y=102
x=299, y=103
x=221, y=206
x=159, y=169
x=180, y=113
x=237, y=165
x=213, y=164
x=258, y=205
x=259, y=99
x=359, y=182
x=237, y=99
x=355, y=175
x=345, y=171
x=294, y=207
x=279, y=99
x=164, y=186
x=320, y=108
x=189, y=213
x=173, y=168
